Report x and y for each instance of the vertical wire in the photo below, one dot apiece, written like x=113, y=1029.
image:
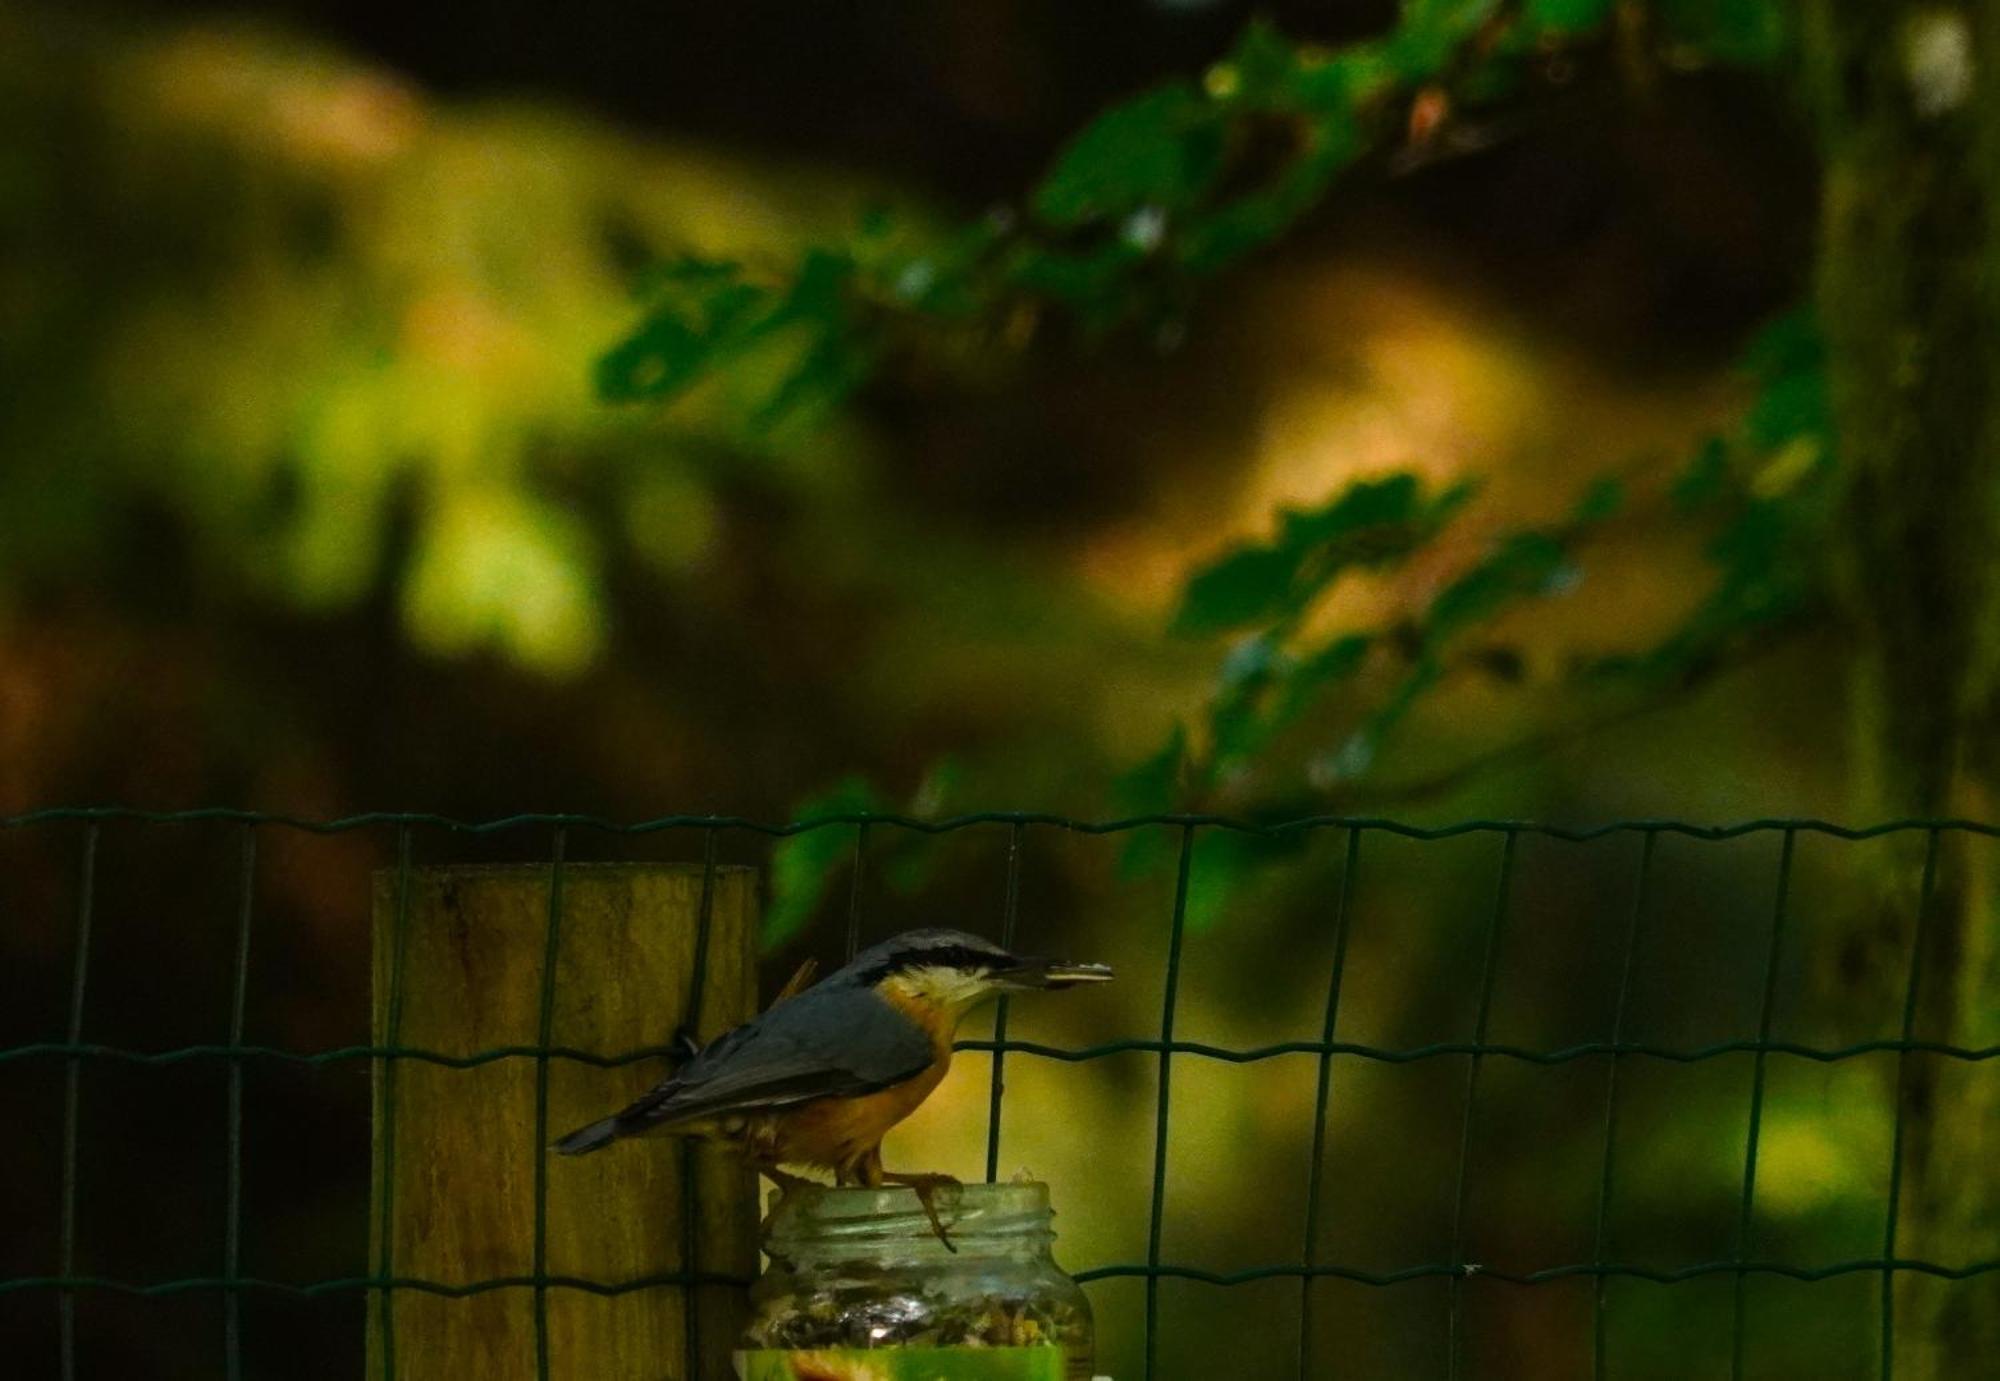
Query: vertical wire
x=545, y=1037
x=1599, y=1282
x=1309, y=1251
x=72, y=1076
x=232, y=1233
x=393, y=1035
x=1009, y=916
x=1747, y=1208
x=697, y=987
x=1160, y=1122
x=1455, y=1286
x=854, y=890
x=1888, y=1358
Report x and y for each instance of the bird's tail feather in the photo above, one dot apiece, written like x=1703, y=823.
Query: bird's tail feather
x=595, y=1137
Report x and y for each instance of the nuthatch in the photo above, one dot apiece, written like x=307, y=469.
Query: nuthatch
x=820, y=1077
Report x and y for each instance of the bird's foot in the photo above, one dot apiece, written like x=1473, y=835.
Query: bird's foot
x=927, y=1187
x=683, y=1046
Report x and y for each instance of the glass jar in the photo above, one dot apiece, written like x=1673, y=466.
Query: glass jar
x=859, y=1288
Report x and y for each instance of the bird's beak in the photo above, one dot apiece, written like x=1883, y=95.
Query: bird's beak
x=1051, y=973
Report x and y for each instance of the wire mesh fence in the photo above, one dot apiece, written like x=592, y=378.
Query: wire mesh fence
x=1287, y=1252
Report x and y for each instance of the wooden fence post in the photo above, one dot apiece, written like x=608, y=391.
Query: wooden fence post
x=459, y=960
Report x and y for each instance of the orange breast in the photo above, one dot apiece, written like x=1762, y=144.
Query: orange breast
x=835, y=1133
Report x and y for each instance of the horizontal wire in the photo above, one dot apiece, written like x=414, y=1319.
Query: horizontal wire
x=1067, y=1054
x=1571, y=834
x=1249, y=1275
x=1470, y=1271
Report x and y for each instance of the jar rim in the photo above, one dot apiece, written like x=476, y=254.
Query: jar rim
x=824, y=1215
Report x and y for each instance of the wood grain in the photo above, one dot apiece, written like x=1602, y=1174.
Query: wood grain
x=461, y=1203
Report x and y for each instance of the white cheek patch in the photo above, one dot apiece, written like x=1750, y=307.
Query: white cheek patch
x=946, y=987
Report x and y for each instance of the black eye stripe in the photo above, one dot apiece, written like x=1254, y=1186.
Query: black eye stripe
x=934, y=957
x=946, y=957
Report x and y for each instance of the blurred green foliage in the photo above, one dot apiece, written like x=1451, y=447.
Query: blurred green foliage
x=1763, y=492
x=1168, y=188
x=1178, y=184
x=1156, y=194
x=349, y=348
x=1372, y=524
x=803, y=864
x=1751, y=32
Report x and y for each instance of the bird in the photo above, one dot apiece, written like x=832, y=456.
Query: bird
x=818, y=1078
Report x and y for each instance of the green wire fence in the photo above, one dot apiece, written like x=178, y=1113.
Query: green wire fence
x=1303, y=1263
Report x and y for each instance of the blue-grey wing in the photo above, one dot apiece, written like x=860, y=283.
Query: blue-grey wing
x=826, y=1042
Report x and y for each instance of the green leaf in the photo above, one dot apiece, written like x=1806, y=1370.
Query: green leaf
x=704, y=315
x=1264, y=692
x=1337, y=661
x=1342, y=83
x=1146, y=851
x=1225, y=865
x=819, y=380
x=1754, y=33
x=669, y=351
x=1789, y=343
x=1770, y=488
x=1704, y=479
x=1356, y=755
x=1259, y=70
x=803, y=864
x=700, y=309
x=1093, y=282
x=1604, y=500
x=1748, y=547
x=1222, y=862
x=1791, y=405
x=1221, y=237
x=691, y=273
x=658, y=360
x=1163, y=149
x=1154, y=786
x=1432, y=32
x=818, y=293
x=1241, y=588
x=1310, y=678
x=1236, y=727
x=1568, y=16
x=1525, y=563
x=1370, y=524
x=1377, y=521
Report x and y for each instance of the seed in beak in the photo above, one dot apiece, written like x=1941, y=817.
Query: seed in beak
x=1062, y=975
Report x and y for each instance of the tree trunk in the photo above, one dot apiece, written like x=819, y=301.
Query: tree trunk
x=1904, y=94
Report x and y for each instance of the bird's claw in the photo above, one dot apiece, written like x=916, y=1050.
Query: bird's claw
x=683, y=1046
x=926, y=1188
